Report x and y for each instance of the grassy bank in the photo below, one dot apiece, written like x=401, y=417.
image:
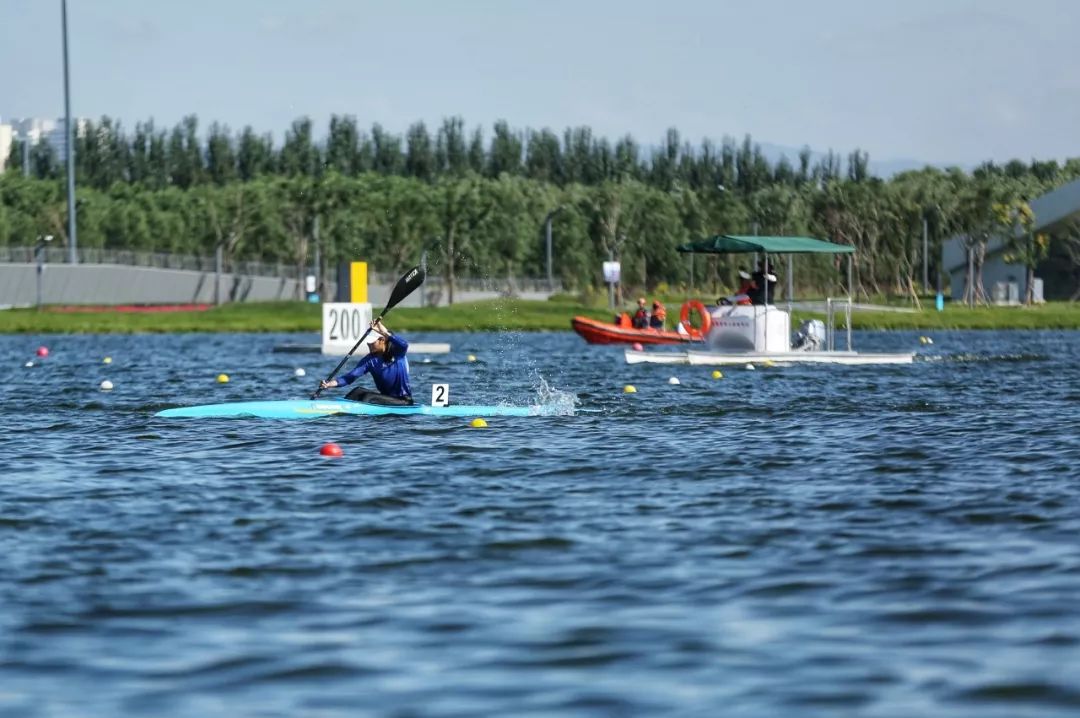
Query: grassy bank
x=1056, y=315
x=492, y=315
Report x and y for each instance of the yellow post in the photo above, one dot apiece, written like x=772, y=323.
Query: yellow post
x=358, y=282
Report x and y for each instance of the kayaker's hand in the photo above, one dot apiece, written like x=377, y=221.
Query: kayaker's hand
x=324, y=384
x=378, y=326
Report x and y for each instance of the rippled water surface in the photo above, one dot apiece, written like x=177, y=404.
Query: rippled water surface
x=789, y=541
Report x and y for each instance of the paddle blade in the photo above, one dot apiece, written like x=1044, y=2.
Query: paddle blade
x=405, y=286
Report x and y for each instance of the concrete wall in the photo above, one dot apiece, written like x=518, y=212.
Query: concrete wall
x=118, y=284
x=122, y=284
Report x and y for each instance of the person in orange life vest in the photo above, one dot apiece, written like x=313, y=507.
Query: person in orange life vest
x=659, y=315
x=746, y=288
x=641, y=316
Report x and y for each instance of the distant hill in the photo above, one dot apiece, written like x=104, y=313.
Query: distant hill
x=881, y=168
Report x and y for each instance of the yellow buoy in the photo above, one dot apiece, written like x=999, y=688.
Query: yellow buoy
x=770, y=362
x=107, y=360
x=223, y=378
x=629, y=389
x=471, y=357
x=717, y=374
x=478, y=423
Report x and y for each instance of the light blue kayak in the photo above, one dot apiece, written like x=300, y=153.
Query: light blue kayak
x=314, y=409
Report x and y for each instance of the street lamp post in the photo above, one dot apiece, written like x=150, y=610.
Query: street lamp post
x=218, y=260
x=316, y=267
x=73, y=256
x=547, y=236
x=925, y=257
x=39, y=255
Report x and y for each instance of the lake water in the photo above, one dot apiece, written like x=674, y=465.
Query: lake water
x=790, y=541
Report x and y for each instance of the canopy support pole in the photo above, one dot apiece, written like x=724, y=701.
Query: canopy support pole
x=790, y=285
x=765, y=293
x=851, y=288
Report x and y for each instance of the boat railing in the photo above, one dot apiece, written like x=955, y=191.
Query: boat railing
x=830, y=321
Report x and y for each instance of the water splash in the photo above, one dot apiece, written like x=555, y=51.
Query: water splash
x=551, y=401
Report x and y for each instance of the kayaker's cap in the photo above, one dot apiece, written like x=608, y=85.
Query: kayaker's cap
x=373, y=345
x=641, y=301
x=744, y=274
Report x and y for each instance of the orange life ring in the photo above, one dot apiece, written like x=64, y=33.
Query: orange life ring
x=706, y=319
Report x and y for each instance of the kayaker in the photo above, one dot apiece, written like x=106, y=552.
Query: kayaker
x=641, y=316
x=388, y=366
x=659, y=316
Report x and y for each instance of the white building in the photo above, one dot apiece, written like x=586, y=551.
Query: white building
x=7, y=138
x=36, y=129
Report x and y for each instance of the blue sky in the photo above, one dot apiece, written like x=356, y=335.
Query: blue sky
x=938, y=81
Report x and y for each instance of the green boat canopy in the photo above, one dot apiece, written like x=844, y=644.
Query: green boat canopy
x=739, y=244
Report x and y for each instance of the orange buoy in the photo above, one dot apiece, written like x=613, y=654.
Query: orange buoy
x=43, y=351
x=331, y=449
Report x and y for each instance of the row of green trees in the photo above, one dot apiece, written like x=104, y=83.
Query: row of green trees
x=182, y=157
x=480, y=209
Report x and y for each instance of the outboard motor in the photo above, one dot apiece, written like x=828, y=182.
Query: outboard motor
x=810, y=337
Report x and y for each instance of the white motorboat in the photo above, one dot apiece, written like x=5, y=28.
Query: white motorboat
x=761, y=333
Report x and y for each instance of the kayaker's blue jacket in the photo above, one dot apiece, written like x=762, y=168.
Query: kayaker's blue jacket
x=391, y=375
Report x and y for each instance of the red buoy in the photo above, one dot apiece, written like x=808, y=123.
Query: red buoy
x=637, y=346
x=43, y=351
x=331, y=449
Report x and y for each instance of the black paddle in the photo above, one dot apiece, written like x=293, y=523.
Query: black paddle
x=405, y=286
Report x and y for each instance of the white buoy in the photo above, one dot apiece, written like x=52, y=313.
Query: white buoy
x=106, y=385
x=300, y=372
x=427, y=360
x=749, y=367
x=929, y=340
x=28, y=364
x=674, y=381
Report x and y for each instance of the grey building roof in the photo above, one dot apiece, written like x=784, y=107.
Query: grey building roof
x=1052, y=211
x=1057, y=206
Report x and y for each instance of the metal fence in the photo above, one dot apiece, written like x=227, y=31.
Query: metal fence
x=512, y=285
x=155, y=260
x=166, y=260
